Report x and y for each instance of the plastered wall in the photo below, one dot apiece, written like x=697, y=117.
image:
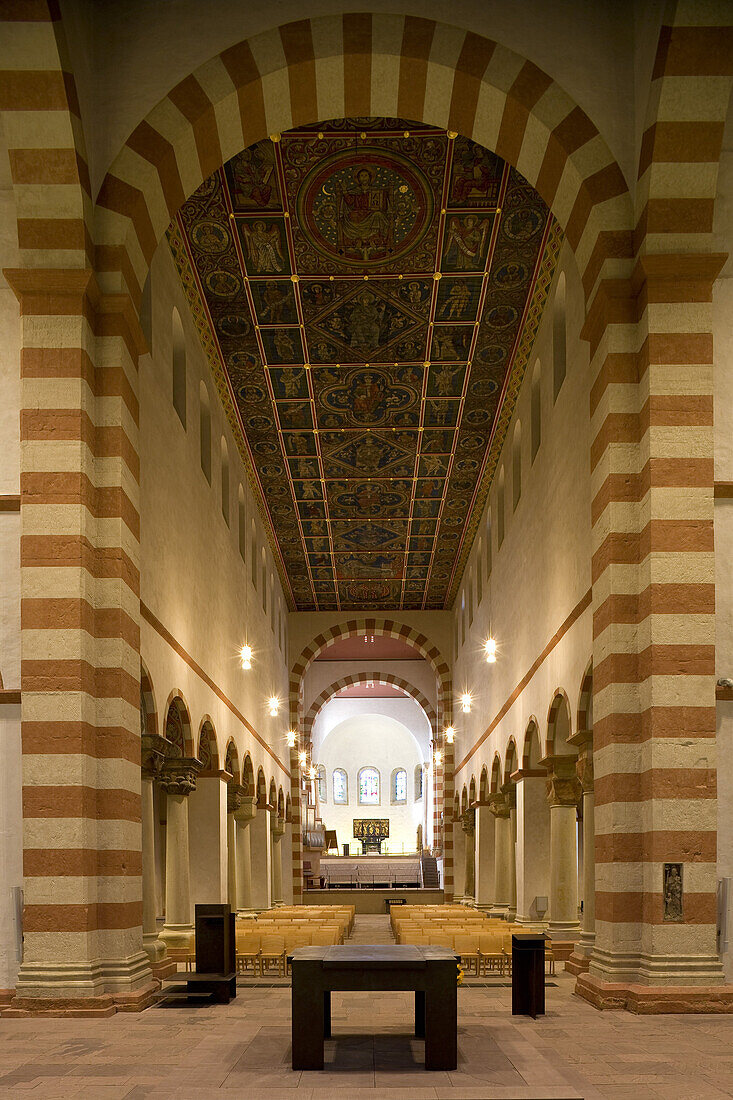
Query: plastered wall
x=194, y=579
x=542, y=571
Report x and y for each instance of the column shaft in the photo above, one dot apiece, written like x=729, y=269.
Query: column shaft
x=153, y=946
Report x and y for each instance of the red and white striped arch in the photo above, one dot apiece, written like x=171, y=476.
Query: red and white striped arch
x=355, y=678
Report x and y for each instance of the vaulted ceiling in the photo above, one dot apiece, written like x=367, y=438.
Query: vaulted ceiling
x=368, y=292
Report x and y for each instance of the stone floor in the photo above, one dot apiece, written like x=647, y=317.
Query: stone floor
x=243, y=1050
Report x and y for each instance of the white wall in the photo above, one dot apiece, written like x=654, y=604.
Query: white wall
x=543, y=569
x=193, y=577
x=371, y=740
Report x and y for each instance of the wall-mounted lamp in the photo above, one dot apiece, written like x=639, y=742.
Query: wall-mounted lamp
x=292, y=737
x=438, y=758
x=274, y=705
x=450, y=735
x=466, y=702
x=245, y=656
x=490, y=651
x=302, y=758
x=312, y=772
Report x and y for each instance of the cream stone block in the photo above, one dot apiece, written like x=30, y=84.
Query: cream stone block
x=85, y=771
x=330, y=85
x=438, y=92
x=670, y=629
x=670, y=691
x=37, y=129
x=693, y=180
x=66, y=331
x=664, y=752
x=613, y=214
x=616, y=699
x=445, y=49
x=685, y=317
x=683, y=504
x=71, y=890
x=68, y=832
x=328, y=37
x=385, y=83
x=276, y=96
x=69, y=706
x=667, y=568
x=534, y=147
x=170, y=124
x=647, y=877
x=228, y=124
x=503, y=68
x=567, y=192
x=33, y=200
x=671, y=378
x=267, y=50
x=693, y=98
x=132, y=168
x=553, y=106
x=659, y=815
x=29, y=46
x=693, y=244
x=489, y=113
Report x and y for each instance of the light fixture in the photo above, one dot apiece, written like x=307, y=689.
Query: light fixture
x=490, y=650
x=466, y=702
x=312, y=772
x=438, y=758
x=291, y=736
x=450, y=735
x=274, y=705
x=245, y=656
x=302, y=758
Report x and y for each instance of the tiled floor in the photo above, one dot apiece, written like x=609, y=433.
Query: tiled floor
x=243, y=1050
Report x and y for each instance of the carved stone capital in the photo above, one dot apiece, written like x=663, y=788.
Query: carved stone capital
x=563, y=785
x=468, y=822
x=246, y=810
x=509, y=790
x=277, y=828
x=235, y=794
x=179, y=774
x=153, y=750
x=498, y=805
x=584, y=768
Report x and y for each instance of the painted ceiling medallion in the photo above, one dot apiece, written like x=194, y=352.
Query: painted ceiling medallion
x=364, y=206
x=370, y=289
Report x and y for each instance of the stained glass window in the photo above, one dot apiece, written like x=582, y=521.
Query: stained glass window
x=369, y=786
x=340, y=786
x=321, y=783
x=418, y=782
x=400, y=786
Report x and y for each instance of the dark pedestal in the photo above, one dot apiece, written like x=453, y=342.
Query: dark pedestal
x=528, y=975
x=429, y=971
x=216, y=966
x=215, y=940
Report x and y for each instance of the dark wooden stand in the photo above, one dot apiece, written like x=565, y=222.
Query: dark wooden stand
x=216, y=969
x=429, y=971
x=528, y=975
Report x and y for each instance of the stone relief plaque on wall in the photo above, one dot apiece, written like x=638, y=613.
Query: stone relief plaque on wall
x=672, y=892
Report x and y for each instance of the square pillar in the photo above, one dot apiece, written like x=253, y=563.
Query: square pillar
x=533, y=844
x=261, y=855
x=484, y=869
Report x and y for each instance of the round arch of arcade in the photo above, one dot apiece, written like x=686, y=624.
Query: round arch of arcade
x=384, y=628
x=362, y=678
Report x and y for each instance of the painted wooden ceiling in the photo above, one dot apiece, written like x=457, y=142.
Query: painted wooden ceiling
x=371, y=289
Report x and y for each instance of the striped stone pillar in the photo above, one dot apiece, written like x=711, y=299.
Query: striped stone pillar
x=80, y=663
x=447, y=793
x=296, y=862
x=653, y=624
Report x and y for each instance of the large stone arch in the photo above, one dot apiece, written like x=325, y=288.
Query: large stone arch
x=386, y=628
x=362, y=678
x=392, y=65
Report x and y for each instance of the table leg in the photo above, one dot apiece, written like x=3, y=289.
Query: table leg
x=327, y=1014
x=441, y=1016
x=420, y=1013
x=308, y=1002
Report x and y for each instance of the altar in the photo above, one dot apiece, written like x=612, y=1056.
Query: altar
x=371, y=831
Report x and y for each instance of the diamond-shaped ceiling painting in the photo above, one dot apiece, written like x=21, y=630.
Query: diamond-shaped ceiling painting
x=370, y=287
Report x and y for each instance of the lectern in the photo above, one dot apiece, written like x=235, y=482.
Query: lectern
x=528, y=975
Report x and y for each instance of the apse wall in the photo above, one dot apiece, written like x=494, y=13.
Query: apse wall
x=540, y=578
x=198, y=601
x=382, y=742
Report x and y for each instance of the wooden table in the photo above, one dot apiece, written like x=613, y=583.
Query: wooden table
x=429, y=971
